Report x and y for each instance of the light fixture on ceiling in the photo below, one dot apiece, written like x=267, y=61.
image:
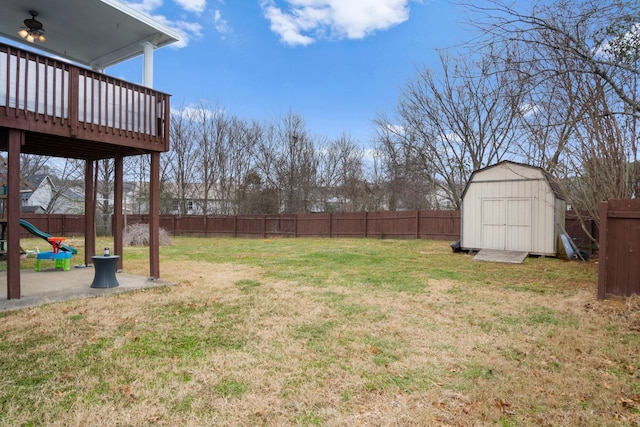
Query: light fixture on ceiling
x=32, y=30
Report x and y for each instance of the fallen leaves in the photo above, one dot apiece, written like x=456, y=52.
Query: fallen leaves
x=504, y=407
x=631, y=403
x=126, y=391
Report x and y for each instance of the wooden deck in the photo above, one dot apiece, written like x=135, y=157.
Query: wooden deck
x=53, y=108
x=72, y=112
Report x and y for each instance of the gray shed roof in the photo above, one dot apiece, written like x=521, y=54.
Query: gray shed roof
x=553, y=184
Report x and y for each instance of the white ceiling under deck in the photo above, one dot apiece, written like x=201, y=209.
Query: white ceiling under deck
x=92, y=33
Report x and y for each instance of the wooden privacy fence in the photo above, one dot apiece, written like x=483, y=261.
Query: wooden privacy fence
x=54, y=224
x=619, y=248
x=436, y=225
x=433, y=225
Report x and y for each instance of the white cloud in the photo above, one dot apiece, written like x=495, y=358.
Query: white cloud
x=145, y=6
x=188, y=29
x=623, y=47
x=220, y=24
x=196, y=6
x=192, y=111
x=528, y=109
x=305, y=21
x=149, y=6
x=285, y=26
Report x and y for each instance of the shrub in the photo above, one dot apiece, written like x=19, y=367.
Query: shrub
x=138, y=235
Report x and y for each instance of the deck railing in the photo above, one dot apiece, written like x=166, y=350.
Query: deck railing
x=72, y=101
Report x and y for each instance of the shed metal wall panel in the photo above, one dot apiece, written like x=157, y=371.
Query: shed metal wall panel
x=493, y=230
x=518, y=227
x=510, y=207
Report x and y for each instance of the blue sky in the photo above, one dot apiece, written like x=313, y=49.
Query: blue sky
x=336, y=63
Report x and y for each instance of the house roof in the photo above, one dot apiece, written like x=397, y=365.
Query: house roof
x=31, y=209
x=555, y=188
x=34, y=181
x=73, y=194
x=93, y=33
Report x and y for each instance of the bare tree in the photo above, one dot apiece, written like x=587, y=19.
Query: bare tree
x=31, y=165
x=266, y=159
x=103, y=186
x=68, y=175
x=603, y=38
x=341, y=176
x=450, y=124
x=376, y=194
x=136, y=197
x=226, y=147
x=603, y=153
x=184, y=158
x=244, y=139
x=255, y=197
x=288, y=162
x=212, y=129
x=408, y=182
x=65, y=174
x=580, y=64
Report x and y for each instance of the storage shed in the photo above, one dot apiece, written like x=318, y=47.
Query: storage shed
x=514, y=207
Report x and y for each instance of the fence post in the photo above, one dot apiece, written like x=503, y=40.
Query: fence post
x=204, y=222
x=330, y=225
x=366, y=223
x=602, y=249
x=235, y=226
x=417, y=224
x=264, y=226
x=295, y=225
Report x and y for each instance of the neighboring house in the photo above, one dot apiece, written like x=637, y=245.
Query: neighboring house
x=70, y=201
x=440, y=199
x=194, y=200
x=32, y=209
x=42, y=196
x=136, y=198
x=37, y=195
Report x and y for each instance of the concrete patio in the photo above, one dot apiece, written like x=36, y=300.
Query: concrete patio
x=51, y=285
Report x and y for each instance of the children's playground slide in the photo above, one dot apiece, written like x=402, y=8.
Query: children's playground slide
x=36, y=232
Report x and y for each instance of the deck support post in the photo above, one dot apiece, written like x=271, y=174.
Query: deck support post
x=89, y=214
x=154, y=216
x=15, y=140
x=118, y=219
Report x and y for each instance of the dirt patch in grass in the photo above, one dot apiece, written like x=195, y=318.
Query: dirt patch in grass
x=237, y=344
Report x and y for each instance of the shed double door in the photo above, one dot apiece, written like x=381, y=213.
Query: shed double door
x=506, y=224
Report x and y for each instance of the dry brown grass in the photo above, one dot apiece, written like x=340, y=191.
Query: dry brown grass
x=276, y=352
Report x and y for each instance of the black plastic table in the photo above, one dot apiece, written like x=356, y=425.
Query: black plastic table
x=105, y=271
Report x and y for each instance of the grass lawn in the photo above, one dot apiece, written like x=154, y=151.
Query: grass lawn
x=328, y=332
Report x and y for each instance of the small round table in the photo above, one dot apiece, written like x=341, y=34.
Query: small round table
x=105, y=271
